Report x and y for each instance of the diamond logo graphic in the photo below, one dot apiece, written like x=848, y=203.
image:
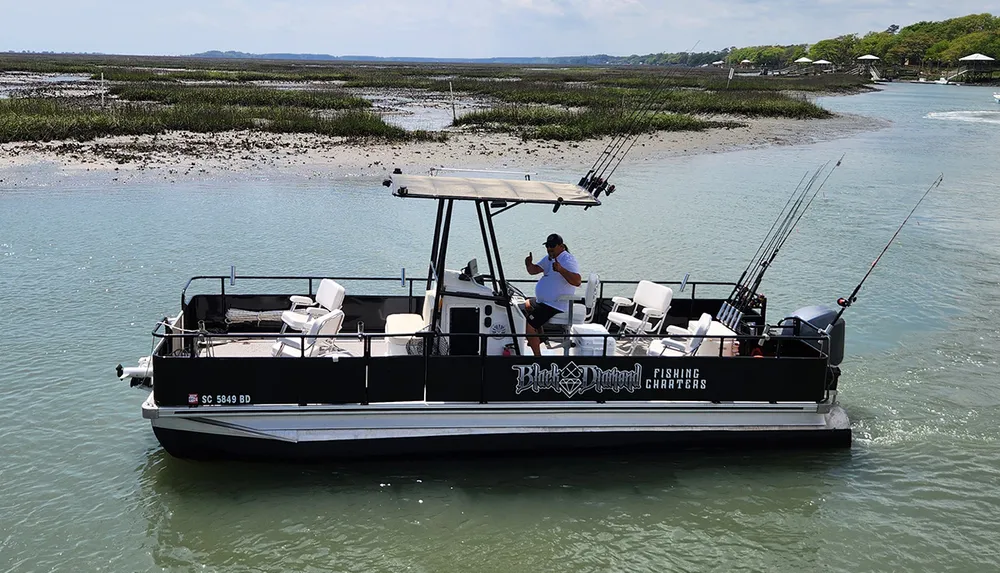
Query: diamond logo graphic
x=570, y=379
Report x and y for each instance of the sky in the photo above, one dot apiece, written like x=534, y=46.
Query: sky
x=449, y=28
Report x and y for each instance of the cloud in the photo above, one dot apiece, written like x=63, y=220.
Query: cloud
x=437, y=28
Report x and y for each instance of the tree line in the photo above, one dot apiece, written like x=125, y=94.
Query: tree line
x=921, y=43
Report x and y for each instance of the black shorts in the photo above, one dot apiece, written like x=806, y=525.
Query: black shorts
x=540, y=313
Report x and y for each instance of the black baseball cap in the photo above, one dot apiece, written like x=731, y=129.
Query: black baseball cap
x=553, y=240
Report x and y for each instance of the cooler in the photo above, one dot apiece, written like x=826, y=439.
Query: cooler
x=591, y=345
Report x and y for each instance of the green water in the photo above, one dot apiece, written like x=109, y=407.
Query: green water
x=88, y=263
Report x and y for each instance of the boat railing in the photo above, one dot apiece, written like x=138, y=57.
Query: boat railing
x=312, y=283
x=193, y=339
x=199, y=373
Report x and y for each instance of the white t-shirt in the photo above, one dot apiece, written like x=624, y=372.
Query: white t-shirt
x=552, y=285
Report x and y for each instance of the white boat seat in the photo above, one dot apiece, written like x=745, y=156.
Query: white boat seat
x=583, y=312
x=654, y=300
x=327, y=325
x=399, y=328
x=562, y=318
x=329, y=296
x=681, y=341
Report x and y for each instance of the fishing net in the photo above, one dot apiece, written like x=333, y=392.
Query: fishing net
x=258, y=317
x=439, y=345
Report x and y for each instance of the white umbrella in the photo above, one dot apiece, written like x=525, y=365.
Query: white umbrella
x=868, y=57
x=976, y=58
x=803, y=60
x=821, y=63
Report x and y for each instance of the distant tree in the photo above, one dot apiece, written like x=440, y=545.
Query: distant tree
x=986, y=43
x=839, y=50
x=936, y=52
x=875, y=43
x=910, y=47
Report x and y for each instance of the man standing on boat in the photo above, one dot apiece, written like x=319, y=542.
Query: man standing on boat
x=560, y=277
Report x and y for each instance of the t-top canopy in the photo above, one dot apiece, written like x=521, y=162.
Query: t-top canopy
x=472, y=189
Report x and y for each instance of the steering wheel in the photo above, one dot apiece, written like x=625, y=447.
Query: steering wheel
x=513, y=291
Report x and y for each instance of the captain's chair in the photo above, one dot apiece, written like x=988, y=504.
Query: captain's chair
x=654, y=300
x=327, y=325
x=581, y=312
x=329, y=297
x=681, y=341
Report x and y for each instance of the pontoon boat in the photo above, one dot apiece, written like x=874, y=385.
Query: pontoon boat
x=360, y=367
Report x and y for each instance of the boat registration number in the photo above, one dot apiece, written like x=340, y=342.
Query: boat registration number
x=225, y=399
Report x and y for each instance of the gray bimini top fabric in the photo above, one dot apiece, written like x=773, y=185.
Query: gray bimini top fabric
x=476, y=189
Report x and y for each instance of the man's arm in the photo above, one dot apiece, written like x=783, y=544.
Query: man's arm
x=531, y=267
x=571, y=277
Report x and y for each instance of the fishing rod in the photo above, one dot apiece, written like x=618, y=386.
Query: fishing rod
x=813, y=198
x=846, y=302
x=783, y=237
x=766, y=238
x=595, y=180
x=795, y=215
x=622, y=139
x=741, y=297
x=606, y=156
x=745, y=291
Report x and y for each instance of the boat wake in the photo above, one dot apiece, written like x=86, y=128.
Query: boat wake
x=969, y=116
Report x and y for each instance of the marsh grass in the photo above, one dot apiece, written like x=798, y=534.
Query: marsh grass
x=742, y=103
x=718, y=81
x=537, y=101
x=142, y=75
x=240, y=95
x=537, y=122
x=33, y=119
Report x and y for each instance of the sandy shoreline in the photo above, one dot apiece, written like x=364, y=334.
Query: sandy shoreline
x=178, y=154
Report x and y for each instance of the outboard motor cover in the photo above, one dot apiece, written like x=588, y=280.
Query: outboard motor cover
x=819, y=317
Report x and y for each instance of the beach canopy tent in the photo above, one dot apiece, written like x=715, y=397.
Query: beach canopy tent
x=868, y=57
x=821, y=63
x=803, y=60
